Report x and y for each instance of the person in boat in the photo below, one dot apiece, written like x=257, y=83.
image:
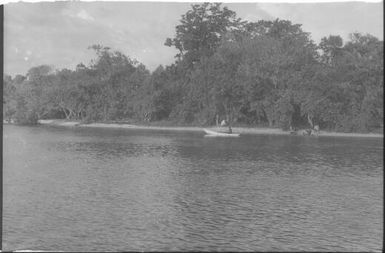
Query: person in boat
x=293, y=130
x=225, y=124
x=316, y=130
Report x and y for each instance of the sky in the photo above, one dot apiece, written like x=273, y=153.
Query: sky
x=59, y=33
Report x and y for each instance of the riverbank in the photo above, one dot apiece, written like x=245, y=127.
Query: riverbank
x=242, y=130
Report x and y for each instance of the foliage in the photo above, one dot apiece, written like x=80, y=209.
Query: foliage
x=201, y=30
x=256, y=73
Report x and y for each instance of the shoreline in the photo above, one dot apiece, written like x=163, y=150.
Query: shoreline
x=241, y=130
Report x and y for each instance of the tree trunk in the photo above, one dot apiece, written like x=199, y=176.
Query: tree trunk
x=217, y=120
x=105, y=110
x=65, y=112
x=269, y=114
x=71, y=115
x=310, y=120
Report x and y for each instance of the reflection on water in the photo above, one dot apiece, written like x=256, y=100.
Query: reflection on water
x=131, y=190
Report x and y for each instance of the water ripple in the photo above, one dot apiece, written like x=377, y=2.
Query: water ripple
x=109, y=190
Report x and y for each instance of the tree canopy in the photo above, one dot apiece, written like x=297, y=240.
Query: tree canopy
x=264, y=73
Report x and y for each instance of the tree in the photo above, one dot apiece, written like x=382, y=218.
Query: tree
x=35, y=93
x=331, y=47
x=275, y=58
x=117, y=78
x=9, y=98
x=201, y=30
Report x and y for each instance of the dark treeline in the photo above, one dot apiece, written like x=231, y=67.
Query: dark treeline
x=265, y=73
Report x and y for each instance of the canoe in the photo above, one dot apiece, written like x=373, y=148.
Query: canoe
x=210, y=133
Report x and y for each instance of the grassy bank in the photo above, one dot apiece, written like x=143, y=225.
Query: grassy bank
x=166, y=126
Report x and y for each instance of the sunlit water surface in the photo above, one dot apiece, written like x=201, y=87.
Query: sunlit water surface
x=130, y=190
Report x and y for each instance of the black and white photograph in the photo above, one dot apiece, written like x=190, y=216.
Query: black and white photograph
x=179, y=126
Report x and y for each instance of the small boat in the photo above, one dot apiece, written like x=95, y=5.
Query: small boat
x=211, y=133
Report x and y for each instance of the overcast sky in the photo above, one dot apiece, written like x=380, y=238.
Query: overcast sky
x=58, y=33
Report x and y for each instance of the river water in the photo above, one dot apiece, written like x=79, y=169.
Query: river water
x=141, y=190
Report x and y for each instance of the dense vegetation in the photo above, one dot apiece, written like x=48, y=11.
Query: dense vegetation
x=265, y=73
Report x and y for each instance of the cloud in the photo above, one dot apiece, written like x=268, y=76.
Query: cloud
x=323, y=19
x=74, y=12
x=59, y=33
x=84, y=15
